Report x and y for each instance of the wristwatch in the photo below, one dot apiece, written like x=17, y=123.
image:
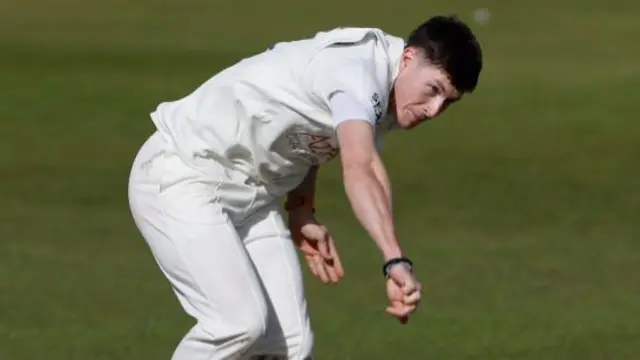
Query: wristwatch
x=396, y=261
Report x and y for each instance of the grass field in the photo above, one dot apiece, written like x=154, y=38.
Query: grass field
x=522, y=213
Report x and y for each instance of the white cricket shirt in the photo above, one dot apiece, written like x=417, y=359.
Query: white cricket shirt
x=269, y=116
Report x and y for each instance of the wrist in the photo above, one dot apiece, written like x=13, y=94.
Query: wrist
x=294, y=203
x=399, y=261
x=391, y=252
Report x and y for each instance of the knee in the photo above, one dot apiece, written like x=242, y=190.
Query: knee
x=254, y=329
x=302, y=343
x=244, y=326
x=250, y=323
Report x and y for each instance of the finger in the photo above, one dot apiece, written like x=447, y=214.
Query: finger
x=411, y=289
x=337, y=263
x=401, y=307
x=312, y=265
x=412, y=299
x=399, y=310
x=331, y=273
x=409, y=286
x=395, y=311
x=329, y=265
x=334, y=277
x=322, y=271
x=306, y=248
x=318, y=270
x=324, y=246
x=394, y=293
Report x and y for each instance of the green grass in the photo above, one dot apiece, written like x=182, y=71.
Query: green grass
x=522, y=214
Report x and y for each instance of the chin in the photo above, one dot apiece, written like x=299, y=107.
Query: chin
x=405, y=126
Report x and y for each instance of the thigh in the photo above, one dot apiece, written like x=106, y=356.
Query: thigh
x=194, y=243
x=269, y=244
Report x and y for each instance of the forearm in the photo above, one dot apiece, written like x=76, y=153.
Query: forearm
x=305, y=192
x=368, y=190
x=381, y=174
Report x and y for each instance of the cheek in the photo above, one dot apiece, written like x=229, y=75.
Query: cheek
x=436, y=106
x=411, y=99
x=406, y=89
x=400, y=92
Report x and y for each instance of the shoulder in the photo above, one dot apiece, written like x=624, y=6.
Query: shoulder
x=354, y=51
x=365, y=47
x=366, y=57
x=348, y=35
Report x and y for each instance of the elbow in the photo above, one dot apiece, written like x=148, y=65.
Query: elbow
x=356, y=174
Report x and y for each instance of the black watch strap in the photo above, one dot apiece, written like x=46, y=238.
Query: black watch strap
x=396, y=261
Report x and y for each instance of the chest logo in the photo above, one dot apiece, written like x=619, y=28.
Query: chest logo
x=377, y=106
x=316, y=149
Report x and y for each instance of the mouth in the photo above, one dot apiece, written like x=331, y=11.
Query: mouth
x=421, y=117
x=414, y=115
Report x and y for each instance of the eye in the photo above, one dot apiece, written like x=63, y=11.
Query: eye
x=432, y=90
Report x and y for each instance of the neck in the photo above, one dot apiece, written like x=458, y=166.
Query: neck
x=391, y=108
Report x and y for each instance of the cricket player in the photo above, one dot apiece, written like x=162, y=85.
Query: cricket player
x=205, y=188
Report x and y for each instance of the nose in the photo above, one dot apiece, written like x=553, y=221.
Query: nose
x=434, y=108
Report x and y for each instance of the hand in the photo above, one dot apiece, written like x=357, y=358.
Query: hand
x=403, y=291
x=316, y=244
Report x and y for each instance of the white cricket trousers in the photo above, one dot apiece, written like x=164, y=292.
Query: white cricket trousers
x=224, y=248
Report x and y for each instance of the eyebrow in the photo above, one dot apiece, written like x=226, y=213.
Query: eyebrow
x=441, y=86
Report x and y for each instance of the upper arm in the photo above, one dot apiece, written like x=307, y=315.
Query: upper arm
x=357, y=144
x=346, y=81
x=359, y=155
x=339, y=75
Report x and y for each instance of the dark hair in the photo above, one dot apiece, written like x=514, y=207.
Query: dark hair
x=449, y=44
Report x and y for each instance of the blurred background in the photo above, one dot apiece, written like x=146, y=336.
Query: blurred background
x=520, y=205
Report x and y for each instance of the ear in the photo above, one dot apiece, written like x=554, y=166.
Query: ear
x=408, y=53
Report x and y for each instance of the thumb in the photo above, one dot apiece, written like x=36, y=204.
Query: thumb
x=318, y=235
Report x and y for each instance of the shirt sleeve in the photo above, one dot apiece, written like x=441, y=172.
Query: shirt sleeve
x=345, y=106
x=343, y=80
